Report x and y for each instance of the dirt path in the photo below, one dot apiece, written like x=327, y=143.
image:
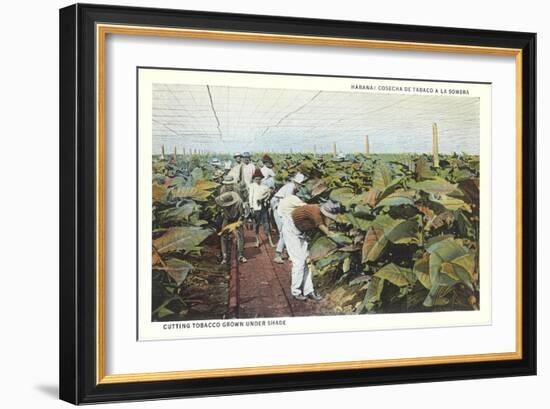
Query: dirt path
x=264, y=287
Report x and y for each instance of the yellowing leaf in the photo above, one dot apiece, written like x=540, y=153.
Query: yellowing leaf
x=452, y=203
x=421, y=270
x=184, y=238
x=396, y=275
x=374, y=244
x=448, y=269
x=159, y=193
x=206, y=184
x=230, y=228
x=183, y=192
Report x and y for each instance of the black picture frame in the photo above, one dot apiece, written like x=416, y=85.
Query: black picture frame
x=78, y=216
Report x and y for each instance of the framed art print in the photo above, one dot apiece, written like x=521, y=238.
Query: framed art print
x=257, y=203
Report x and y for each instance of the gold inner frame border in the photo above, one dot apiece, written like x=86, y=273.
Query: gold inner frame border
x=102, y=30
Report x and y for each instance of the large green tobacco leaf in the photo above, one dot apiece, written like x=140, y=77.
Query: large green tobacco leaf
x=321, y=247
x=435, y=186
x=382, y=177
x=436, y=239
x=175, y=181
x=396, y=275
x=342, y=195
x=374, y=244
x=185, y=238
x=400, y=231
x=341, y=239
x=398, y=198
x=194, y=193
x=176, y=214
x=177, y=269
x=374, y=291
x=449, y=263
x=358, y=222
x=451, y=203
x=384, y=229
x=330, y=262
x=362, y=210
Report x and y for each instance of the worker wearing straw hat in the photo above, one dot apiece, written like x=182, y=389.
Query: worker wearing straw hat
x=258, y=196
x=228, y=184
x=232, y=212
x=298, y=219
x=248, y=169
x=236, y=171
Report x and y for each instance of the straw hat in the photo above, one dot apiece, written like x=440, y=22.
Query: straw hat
x=227, y=199
x=228, y=180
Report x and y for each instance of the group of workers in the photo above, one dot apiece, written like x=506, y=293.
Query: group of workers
x=249, y=193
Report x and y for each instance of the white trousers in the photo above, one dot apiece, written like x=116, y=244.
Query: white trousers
x=279, y=222
x=296, y=246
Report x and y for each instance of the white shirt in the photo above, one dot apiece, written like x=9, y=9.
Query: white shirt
x=248, y=171
x=269, y=182
x=288, y=204
x=257, y=193
x=286, y=190
x=267, y=172
x=236, y=172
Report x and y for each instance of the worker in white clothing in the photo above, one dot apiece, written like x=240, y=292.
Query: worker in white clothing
x=258, y=196
x=236, y=171
x=267, y=169
x=268, y=172
x=287, y=190
x=298, y=219
x=248, y=169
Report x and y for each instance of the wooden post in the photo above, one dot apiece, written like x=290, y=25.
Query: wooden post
x=367, y=151
x=315, y=149
x=334, y=151
x=435, y=146
x=162, y=152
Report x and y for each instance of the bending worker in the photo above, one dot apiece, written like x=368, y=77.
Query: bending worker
x=287, y=190
x=298, y=219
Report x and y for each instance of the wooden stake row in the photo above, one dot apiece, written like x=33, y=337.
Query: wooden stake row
x=435, y=148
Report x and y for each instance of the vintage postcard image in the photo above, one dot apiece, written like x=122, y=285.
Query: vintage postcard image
x=280, y=203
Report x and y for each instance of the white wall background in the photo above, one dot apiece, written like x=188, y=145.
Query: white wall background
x=29, y=205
